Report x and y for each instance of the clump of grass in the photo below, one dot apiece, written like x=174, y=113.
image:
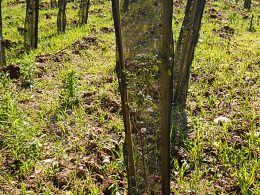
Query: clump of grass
x=8, y=109
x=28, y=71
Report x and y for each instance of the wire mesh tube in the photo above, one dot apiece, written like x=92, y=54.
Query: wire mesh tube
x=141, y=41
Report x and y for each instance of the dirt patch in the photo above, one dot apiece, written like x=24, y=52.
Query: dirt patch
x=96, y=11
x=75, y=7
x=16, y=2
x=41, y=70
x=84, y=43
x=228, y=184
x=178, y=3
x=49, y=15
x=21, y=30
x=58, y=57
x=7, y=43
x=110, y=105
x=225, y=32
x=89, y=101
x=214, y=14
x=74, y=22
x=13, y=70
x=236, y=141
x=62, y=179
x=12, y=165
x=107, y=29
x=44, y=5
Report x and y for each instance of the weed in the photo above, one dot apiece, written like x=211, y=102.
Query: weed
x=69, y=96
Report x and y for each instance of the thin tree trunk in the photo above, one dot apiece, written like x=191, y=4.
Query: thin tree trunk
x=187, y=42
x=166, y=93
x=124, y=99
x=36, y=23
x=84, y=9
x=31, y=24
x=2, y=49
x=247, y=4
x=61, y=19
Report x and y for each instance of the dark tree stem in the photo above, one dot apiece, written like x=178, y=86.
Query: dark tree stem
x=31, y=24
x=187, y=42
x=84, y=11
x=124, y=99
x=247, y=4
x=61, y=19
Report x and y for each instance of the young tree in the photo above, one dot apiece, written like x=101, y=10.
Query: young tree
x=31, y=24
x=137, y=58
x=61, y=18
x=141, y=40
x=187, y=42
x=166, y=93
x=84, y=8
x=247, y=4
x=53, y=3
x=2, y=50
x=120, y=65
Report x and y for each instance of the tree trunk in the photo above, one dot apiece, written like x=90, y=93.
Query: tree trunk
x=2, y=49
x=36, y=23
x=84, y=9
x=61, y=19
x=166, y=93
x=187, y=42
x=247, y=4
x=31, y=24
x=124, y=99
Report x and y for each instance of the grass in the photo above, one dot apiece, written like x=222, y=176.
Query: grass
x=47, y=148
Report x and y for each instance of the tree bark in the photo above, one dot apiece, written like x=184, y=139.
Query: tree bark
x=36, y=23
x=187, y=42
x=84, y=9
x=31, y=24
x=61, y=18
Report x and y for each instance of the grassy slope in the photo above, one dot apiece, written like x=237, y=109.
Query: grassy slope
x=49, y=149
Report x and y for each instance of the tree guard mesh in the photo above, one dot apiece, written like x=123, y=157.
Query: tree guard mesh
x=31, y=24
x=61, y=19
x=141, y=38
x=83, y=14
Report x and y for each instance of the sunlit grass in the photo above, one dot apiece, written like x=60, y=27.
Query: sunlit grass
x=219, y=158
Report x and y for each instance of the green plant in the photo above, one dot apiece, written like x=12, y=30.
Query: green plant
x=69, y=96
x=28, y=71
x=246, y=176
